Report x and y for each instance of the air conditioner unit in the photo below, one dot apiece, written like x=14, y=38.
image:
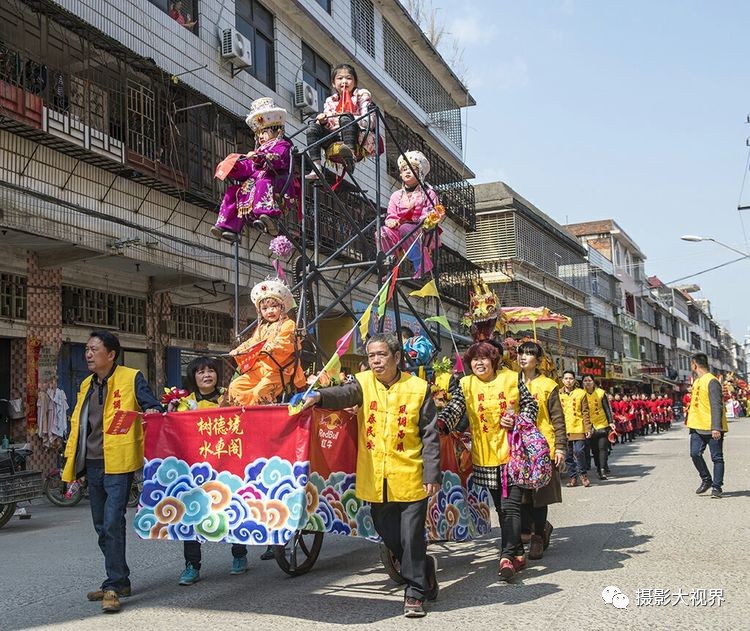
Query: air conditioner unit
x=236, y=48
x=305, y=96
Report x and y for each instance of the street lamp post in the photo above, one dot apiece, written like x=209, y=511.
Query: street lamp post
x=694, y=239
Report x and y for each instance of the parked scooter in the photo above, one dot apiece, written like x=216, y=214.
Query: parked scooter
x=16, y=483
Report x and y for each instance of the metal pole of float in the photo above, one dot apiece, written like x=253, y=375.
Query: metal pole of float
x=316, y=258
x=381, y=266
x=236, y=249
x=303, y=242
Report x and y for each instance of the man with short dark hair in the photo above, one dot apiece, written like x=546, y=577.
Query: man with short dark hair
x=707, y=421
x=577, y=427
x=398, y=459
x=108, y=459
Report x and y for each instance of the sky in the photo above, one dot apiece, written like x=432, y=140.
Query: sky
x=632, y=110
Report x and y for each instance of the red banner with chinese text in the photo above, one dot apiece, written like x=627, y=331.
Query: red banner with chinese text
x=228, y=438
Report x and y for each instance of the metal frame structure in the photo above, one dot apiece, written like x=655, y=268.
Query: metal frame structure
x=313, y=271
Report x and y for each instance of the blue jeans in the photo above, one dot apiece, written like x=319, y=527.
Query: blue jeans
x=108, y=494
x=575, y=459
x=698, y=444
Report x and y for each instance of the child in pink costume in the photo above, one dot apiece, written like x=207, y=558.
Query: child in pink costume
x=409, y=207
x=263, y=174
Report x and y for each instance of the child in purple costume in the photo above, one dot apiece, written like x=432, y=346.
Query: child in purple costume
x=263, y=174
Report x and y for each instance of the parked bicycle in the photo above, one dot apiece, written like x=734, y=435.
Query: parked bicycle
x=65, y=494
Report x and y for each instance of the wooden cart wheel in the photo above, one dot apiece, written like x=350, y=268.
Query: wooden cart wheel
x=391, y=564
x=300, y=553
x=6, y=512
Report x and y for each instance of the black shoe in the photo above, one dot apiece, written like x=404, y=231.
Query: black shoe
x=433, y=588
x=703, y=487
x=232, y=237
x=268, y=554
x=602, y=476
x=265, y=224
x=716, y=494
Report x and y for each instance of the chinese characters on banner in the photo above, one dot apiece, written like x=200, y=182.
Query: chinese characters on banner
x=228, y=439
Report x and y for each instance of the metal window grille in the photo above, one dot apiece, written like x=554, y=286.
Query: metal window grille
x=255, y=22
x=101, y=308
x=541, y=249
x=141, y=126
x=363, y=24
x=199, y=325
x=456, y=194
x=456, y=274
x=13, y=296
x=404, y=65
x=317, y=72
x=494, y=238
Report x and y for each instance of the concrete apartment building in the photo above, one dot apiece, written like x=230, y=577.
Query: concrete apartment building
x=609, y=239
x=113, y=116
x=521, y=251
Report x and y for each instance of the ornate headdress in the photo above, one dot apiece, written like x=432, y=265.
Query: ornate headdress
x=484, y=308
x=263, y=113
x=272, y=288
x=418, y=162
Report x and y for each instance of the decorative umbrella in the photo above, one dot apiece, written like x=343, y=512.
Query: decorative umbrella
x=517, y=319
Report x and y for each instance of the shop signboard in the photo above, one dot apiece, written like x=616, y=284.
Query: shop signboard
x=592, y=365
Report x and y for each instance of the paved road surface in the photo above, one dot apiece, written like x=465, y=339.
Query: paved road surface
x=644, y=529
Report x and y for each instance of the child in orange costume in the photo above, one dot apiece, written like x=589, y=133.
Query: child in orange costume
x=263, y=383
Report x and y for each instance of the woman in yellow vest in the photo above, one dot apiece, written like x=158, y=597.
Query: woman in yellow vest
x=600, y=415
x=491, y=397
x=551, y=423
x=202, y=381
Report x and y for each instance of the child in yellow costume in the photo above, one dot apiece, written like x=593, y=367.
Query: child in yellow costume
x=263, y=383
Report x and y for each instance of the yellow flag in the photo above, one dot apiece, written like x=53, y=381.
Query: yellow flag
x=430, y=289
x=441, y=319
x=364, y=323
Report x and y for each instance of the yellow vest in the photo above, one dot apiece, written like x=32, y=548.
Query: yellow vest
x=486, y=402
x=389, y=445
x=204, y=403
x=597, y=416
x=123, y=453
x=541, y=387
x=573, y=410
x=699, y=412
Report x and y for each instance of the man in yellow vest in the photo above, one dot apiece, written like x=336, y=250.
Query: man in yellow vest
x=108, y=459
x=577, y=427
x=707, y=421
x=398, y=459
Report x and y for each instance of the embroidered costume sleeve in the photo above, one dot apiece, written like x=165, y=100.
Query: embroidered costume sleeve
x=362, y=101
x=274, y=155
